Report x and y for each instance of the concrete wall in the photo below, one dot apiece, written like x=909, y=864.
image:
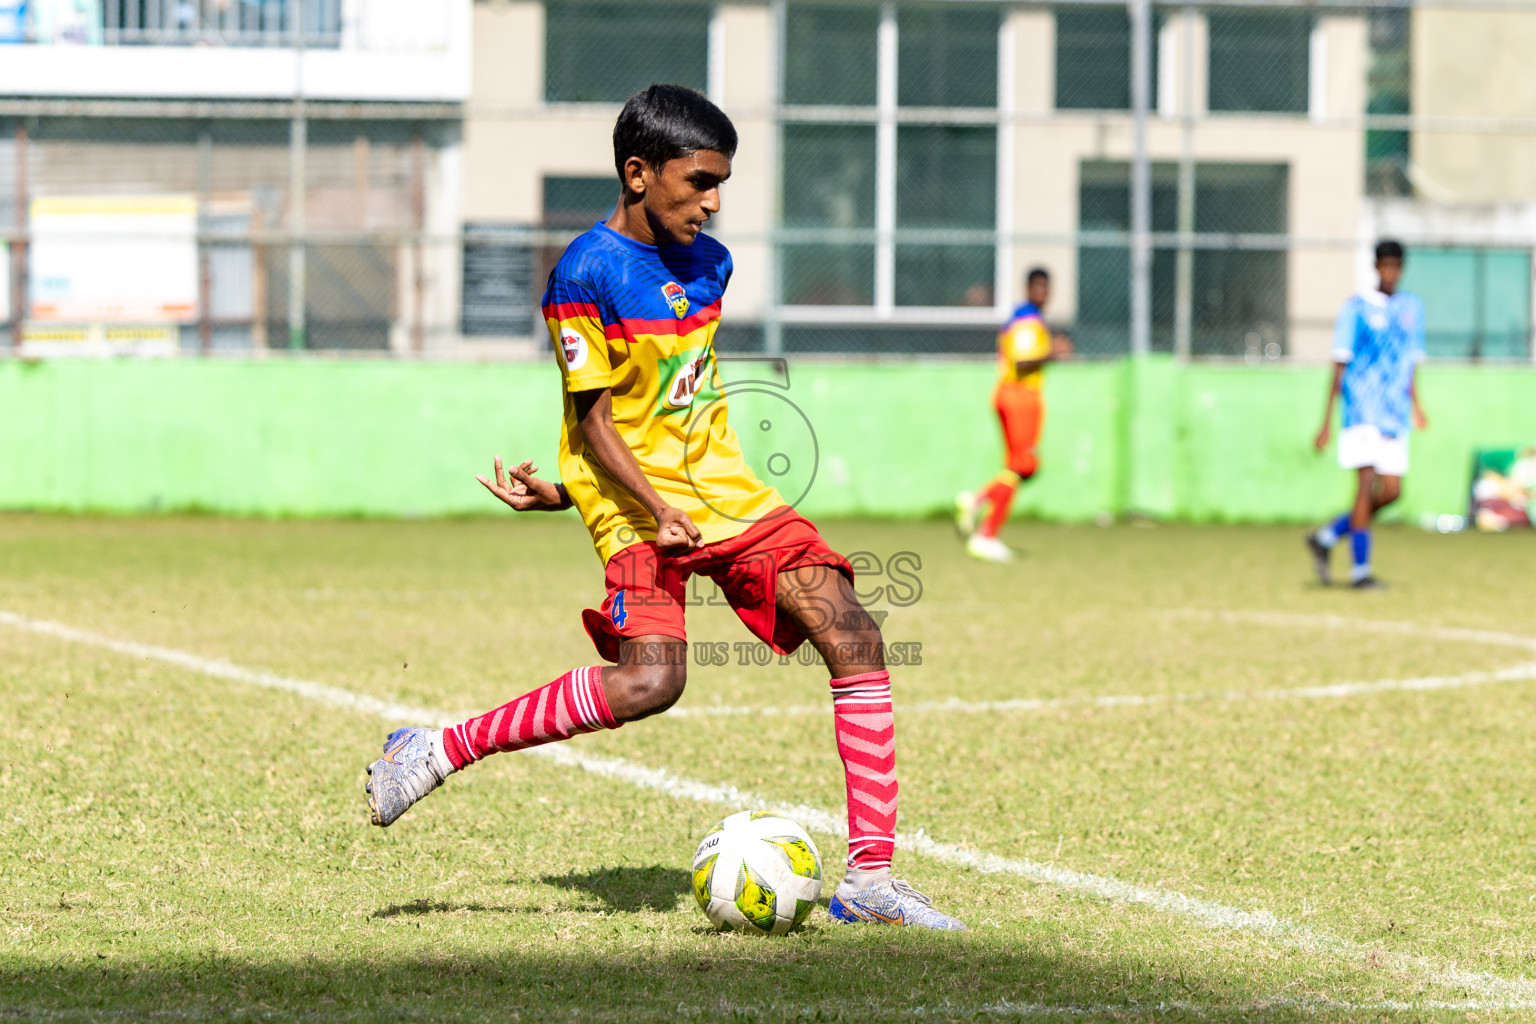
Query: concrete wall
x=1473, y=64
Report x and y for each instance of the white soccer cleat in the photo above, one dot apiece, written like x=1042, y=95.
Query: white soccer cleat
x=409, y=770
x=988, y=549
x=889, y=902
x=965, y=514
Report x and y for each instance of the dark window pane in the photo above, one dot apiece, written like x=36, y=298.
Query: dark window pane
x=828, y=275
x=1241, y=198
x=1234, y=295
x=607, y=52
x=947, y=57
x=1476, y=301
x=925, y=339
x=1388, y=92
x=1237, y=302
x=1093, y=59
x=829, y=176
x=579, y=202
x=945, y=275
x=1258, y=60
x=946, y=177
x=829, y=55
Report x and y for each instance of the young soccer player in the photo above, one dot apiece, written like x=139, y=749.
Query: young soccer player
x=1024, y=346
x=651, y=463
x=1378, y=342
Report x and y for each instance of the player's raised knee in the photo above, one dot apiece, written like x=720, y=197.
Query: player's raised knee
x=649, y=679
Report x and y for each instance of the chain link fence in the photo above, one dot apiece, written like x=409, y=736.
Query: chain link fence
x=902, y=166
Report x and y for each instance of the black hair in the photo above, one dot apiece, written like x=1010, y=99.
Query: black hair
x=1036, y=274
x=665, y=122
x=1387, y=249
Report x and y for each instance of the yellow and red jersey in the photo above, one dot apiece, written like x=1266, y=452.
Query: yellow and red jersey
x=640, y=320
x=1023, y=338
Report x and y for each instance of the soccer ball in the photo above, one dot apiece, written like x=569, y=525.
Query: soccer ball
x=758, y=872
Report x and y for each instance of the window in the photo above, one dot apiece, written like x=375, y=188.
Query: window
x=829, y=183
x=1388, y=87
x=948, y=57
x=1104, y=264
x=607, y=52
x=579, y=202
x=1238, y=297
x=1093, y=59
x=829, y=55
x=1239, y=294
x=1259, y=61
x=573, y=204
x=1477, y=302
x=935, y=243
x=946, y=179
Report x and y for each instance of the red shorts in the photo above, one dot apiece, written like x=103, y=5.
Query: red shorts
x=646, y=589
x=1022, y=412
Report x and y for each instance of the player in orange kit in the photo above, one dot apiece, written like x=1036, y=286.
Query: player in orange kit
x=1024, y=346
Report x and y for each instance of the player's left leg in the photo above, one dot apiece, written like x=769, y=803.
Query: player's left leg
x=820, y=601
x=640, y=628
x=1021, y=413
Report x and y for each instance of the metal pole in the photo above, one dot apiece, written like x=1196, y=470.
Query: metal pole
x=885, y=163
x=418, y=251
x=204, y=254
x=19, y=251
x=1184, y=272
x=298, y=146
x=773, y=323
x=1141, y=178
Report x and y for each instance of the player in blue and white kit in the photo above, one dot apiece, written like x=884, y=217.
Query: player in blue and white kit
x=1377, y=345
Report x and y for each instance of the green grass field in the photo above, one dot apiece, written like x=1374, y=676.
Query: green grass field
x=1226, y=842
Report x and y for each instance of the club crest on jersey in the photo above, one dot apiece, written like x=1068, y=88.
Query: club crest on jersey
x=676, y=298
x=573, y=347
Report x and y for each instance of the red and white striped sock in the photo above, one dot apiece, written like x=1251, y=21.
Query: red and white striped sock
x=572, y=704
x=866, y=741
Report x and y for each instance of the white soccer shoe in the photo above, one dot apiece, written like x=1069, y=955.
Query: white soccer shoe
x=989, y=549
x=891, y=901
x=965, y=514
x=411, y=767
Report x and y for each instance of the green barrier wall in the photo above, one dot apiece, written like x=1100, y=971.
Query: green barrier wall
x=310, y=438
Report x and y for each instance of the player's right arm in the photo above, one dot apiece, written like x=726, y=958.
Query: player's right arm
x=1343, y=351
x=574, y=310
x=594, y=413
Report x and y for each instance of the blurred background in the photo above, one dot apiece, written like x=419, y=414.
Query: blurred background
x=392, y=179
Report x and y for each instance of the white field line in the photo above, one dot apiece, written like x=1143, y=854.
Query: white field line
x=1452, y=633
x=1326, y=691
x=1496, y=992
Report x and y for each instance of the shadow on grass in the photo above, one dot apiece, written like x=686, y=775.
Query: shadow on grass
x=629, y=890
x=418, y=908
x=852, y=975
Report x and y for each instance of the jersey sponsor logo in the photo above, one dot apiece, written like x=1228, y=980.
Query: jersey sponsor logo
x=676, y=298
x=574, y=347
x=686, y=382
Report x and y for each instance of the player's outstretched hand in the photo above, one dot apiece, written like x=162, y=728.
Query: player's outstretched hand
x=675, y=532
x=1420, y=421
x=520, y=488
x=1321, y=441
